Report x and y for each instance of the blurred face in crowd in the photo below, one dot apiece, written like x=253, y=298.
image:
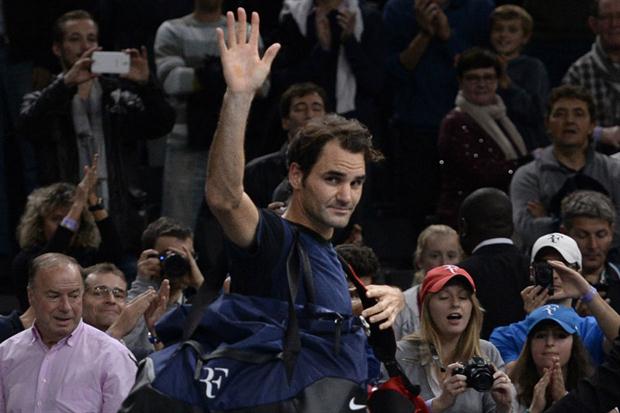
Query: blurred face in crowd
x=549, y=343
x=302, y=109
x=607, y=25
x=52, y=220
x=104, y=299
x=569, y=124
x=450, y=309
x=479, y=86
x=56, y=298
x=440, y=249
x=331, y=190
x=208, y=6
x=78, y=37
x=507, y=37
x=593, y=236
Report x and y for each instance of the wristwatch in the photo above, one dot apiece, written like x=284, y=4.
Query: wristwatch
x=98, y=206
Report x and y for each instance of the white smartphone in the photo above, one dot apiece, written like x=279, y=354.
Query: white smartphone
x=110, y=62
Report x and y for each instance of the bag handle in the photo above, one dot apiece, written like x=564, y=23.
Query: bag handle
x=382, y=342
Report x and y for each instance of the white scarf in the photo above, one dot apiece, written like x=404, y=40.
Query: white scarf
x=488, y=118
x=346, y=85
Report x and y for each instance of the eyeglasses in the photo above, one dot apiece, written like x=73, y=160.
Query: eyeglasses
x=102, y=291
x=480, y=79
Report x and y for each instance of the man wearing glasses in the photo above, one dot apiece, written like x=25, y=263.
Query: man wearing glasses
x=61, y=363
x=597, y=70
x=105, y=306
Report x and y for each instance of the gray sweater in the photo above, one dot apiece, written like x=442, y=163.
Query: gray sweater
x=542, y=178
x=417, y=363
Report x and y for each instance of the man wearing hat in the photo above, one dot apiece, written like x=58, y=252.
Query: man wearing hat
x=564, y=256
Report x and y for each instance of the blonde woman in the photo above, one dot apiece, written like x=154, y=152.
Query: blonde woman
x=68, y=219
x=448, y=340
x=437, y=245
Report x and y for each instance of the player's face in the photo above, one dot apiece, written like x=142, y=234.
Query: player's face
x=331, y=190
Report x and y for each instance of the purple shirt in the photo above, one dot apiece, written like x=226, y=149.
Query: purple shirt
x=87, y=371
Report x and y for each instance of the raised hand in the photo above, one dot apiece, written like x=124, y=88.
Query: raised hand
x=558, y=389
x=533, y=297
x=573, y=283
x=244, y=70
x=323, y=31
x=80, y=71
x=539, y=397
x=88, y=183
x=158, y=306
x=139, y=65
x=346, y=20
x=130, y=315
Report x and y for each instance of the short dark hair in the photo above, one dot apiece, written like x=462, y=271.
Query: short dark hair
x=589, y=204
x=58, y=30
x=103, y=268
x=572, y=92
x=308, y=142
x=50, y=260
x=164, y=226
x=299, y=90
x=363, y=259
x=478, y=58
x=513, y=12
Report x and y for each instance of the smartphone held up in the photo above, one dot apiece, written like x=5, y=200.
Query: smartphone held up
x=110, y=63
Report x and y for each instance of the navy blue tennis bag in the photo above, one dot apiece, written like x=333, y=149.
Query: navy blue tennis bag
x=256, y=354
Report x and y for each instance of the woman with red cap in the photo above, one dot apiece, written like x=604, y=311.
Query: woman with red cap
x=456, y=370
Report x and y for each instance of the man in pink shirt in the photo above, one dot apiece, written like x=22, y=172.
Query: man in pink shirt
x=62, y=364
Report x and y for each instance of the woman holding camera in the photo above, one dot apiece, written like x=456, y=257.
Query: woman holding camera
x=456, y=371
x=553, y=358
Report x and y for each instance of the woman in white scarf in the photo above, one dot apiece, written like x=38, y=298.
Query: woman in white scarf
x=479, y=146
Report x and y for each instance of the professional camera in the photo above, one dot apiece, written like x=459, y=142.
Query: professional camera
x=173, y=265
x=542, y=273
x=479, y=374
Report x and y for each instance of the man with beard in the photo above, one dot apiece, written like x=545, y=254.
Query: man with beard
x=597, y=71
x=81, y=114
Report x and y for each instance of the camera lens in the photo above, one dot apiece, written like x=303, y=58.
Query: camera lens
x=174, y=265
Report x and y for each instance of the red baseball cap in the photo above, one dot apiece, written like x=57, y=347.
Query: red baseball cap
x=437, y=278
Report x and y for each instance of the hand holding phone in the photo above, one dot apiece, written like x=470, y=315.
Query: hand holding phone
x=110, y=62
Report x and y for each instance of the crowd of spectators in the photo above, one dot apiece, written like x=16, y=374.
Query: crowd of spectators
x=499, y=127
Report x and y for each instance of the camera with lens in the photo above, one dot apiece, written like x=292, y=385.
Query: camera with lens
x=542, y=273
x=173, y=265
x=479, y=374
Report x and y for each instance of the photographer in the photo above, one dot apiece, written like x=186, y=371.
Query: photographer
x=168, y=253
x=456, y=371
x=566, y=284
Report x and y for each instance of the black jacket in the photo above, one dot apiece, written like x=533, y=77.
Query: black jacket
x=500, y=272
x=598, y=394
x=131, y=112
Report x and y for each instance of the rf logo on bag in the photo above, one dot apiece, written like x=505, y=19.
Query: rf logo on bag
x=213, y=381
